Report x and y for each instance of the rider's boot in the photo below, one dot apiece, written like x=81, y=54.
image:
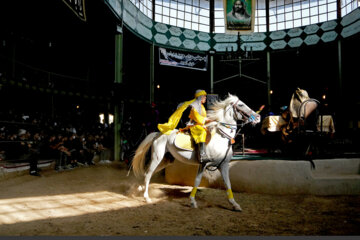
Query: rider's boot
x=203, y=158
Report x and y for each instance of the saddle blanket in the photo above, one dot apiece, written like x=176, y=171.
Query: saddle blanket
x=184, y=141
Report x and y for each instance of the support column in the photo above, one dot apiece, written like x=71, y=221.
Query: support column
x=268, y=77
x=268, y=72
x=339, y=109
x=340, y=86
x=211, y=73
x=212, y=16
x=13, y=60
x=152, y=73
x=338, y=2
x=118, y=108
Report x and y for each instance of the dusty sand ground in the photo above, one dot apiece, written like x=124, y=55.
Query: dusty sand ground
x=103, y=201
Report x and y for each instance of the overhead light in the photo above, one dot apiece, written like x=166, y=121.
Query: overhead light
x=102, y=118
x=111, y=118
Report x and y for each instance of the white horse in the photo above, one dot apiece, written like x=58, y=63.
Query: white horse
x=224, y=115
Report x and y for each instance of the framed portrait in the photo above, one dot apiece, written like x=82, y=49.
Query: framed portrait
x=239, y=16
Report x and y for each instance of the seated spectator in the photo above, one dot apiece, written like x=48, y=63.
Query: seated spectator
x=50, y=143
x=105, y=142
x=73, y=146
x=65, y=154
x=85, y=153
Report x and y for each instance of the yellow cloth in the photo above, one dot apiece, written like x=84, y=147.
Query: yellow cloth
x=200, y=94
x=198, y=131
x=174, y=119
x=166, y=128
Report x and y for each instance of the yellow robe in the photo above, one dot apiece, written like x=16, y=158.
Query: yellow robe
x=166, y=128
x=198, y=131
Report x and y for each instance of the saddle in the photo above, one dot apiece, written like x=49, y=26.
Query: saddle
x=184, y=141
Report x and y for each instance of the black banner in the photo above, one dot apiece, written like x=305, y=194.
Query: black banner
x=183, y=59
x=78, y=7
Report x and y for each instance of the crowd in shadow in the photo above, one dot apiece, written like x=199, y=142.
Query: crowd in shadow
x=69, y=140
x=33, y=137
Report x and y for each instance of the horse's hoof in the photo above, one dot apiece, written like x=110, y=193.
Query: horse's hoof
x=140, y=188
x=194, y=205
x=148, y=200
x=237, y=209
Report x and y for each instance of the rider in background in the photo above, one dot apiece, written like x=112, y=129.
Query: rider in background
x=196, y=124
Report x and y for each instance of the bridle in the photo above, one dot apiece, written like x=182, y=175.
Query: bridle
x=245, y=116
x=233, y=127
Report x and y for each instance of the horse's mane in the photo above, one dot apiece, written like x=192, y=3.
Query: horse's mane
x=216, y=111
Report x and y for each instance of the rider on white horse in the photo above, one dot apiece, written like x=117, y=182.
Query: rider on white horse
x=197, y=122
x=224, y=116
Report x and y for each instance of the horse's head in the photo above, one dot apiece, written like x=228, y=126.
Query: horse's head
x=232, y=110
x=241, y=112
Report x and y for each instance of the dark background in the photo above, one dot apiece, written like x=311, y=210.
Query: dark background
x=81, y=56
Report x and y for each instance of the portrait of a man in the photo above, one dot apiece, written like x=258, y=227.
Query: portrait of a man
x=238, y=14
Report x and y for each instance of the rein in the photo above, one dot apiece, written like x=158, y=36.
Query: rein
x=243, y=114
x=228, y=125
x=217, y=166
x=231, y=139
x=233, y=127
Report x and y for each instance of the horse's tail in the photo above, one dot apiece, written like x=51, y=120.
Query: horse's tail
x=138, y=162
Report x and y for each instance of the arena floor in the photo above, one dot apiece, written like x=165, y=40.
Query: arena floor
x=103, y=201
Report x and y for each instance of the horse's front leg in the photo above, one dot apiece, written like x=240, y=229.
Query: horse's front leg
x=225, y=174
x=196, y=184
